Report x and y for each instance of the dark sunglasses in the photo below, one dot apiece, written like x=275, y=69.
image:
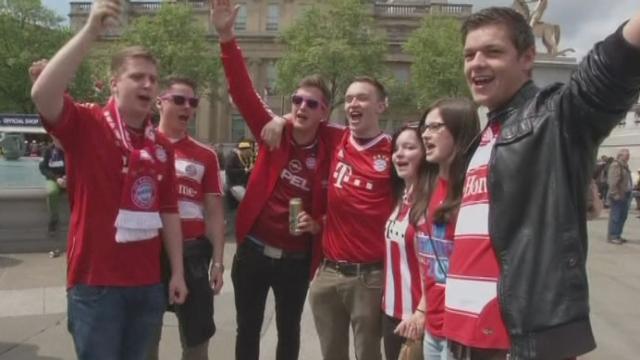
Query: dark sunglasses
x=181, y=100
x=311, y=103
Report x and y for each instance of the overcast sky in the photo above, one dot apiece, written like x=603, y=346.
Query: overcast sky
x=582, y=22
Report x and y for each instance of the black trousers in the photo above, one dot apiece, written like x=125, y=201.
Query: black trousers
x=253, y=274
x=392, y=341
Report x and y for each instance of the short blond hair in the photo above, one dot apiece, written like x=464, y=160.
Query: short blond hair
x=132, y=52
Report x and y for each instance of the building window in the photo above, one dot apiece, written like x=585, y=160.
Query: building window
x=273, y=17
x=241, y=19
x=237, y=127
x=401, y=73
x=272, y=77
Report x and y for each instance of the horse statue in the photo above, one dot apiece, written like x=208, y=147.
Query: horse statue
x=548, y=33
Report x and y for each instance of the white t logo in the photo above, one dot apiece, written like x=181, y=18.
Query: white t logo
x=342, y=172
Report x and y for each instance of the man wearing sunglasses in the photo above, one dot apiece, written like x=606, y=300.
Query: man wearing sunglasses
x=123, y=193
x=268, y=255
x=202, y=216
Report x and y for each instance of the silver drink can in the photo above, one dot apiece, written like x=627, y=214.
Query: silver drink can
x=295, y=208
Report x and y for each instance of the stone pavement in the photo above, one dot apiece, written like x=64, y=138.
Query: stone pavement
x=33, y=304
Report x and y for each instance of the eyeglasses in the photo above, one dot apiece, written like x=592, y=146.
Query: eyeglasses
x=433, y=127
x=311, y=103
x=181, y=100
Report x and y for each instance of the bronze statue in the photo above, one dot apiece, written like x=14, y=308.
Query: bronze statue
x=549, y=33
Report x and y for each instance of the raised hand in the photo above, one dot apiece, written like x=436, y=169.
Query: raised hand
x=271, y=133
x=36, y=68
x=223, y=17
x=104, y=14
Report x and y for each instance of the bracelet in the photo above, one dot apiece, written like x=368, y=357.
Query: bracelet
x=420, y=311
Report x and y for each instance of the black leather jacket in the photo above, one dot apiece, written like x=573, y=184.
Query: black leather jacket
x=539, y=172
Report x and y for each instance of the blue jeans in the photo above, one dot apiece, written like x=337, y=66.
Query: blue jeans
x=114, y=323
x=618, y=215
x=435, y=348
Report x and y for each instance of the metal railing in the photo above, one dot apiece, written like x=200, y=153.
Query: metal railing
x=420, y=10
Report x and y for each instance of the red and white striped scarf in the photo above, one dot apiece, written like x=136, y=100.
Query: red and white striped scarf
x=138, y=216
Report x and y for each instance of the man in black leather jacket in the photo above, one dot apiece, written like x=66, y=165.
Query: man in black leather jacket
x=532, y=168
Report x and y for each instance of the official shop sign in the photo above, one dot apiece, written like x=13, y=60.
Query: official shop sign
x=15, y=120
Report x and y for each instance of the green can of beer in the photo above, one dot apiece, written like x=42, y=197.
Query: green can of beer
x=295, y=207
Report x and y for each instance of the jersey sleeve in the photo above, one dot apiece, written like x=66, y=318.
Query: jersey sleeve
x=211, y=182
x=168, y=187
x=254, y=111
x=73, y=122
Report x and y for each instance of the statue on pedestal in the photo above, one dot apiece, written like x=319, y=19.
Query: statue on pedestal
x=549, y=33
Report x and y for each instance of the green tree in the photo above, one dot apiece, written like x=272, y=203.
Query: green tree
x=30, y=32
x=437, y=70
x=179, y=42
x=337, y=40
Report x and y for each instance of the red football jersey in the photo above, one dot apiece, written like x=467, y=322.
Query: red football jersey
x=272, y=225
x=95, y=167
x=359, y=200
x=197, y=174
x=402, y=285
x=472, y=310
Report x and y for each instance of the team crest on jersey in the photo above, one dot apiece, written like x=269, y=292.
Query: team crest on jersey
x=143, y=192
x=191, y=170
x=380, y=163
x=295, y=166
x=161, y=154
x=311, y=163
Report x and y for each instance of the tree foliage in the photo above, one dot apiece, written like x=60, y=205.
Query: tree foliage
x=437, y=70
x=179, y=43
x=337, y=40
x=30, y=32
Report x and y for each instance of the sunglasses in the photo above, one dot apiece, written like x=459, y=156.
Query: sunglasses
x=181, y=100
x=311, y=103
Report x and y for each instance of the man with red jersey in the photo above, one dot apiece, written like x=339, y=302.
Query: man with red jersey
x=347, y=290
x=517, y=283
x=124, y=192
x=202, y=216
x=268, y=255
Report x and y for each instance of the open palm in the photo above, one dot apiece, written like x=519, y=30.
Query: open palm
x=223, y=15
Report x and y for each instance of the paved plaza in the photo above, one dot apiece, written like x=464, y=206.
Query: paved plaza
x=33, y=304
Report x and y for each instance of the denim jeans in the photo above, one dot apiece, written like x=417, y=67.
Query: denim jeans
x=253, y=274
x=435, y=348
x=618, y=215
x=114, y=323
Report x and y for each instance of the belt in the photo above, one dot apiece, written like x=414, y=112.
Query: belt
x=351, y=269
x=463, y=352
x=274, y=252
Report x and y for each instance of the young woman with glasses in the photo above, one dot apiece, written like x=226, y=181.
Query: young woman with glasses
x=449, y=128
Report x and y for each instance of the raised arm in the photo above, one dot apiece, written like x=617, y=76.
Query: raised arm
x=255, y=112
x=48, y=90
x=604, y=87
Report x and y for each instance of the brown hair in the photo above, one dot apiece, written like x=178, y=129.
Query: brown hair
x=460, y=118
x=397, y=183
x=382, y=93
x=178, y=79
x=520, y=32
x=318, y=82
x=130, y=53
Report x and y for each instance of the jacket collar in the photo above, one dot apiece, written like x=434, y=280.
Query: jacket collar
x=517, y=101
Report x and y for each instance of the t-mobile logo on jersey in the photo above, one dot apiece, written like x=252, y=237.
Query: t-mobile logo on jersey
x=343, y=174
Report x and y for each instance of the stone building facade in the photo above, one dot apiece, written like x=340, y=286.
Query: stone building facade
x=257, y=28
